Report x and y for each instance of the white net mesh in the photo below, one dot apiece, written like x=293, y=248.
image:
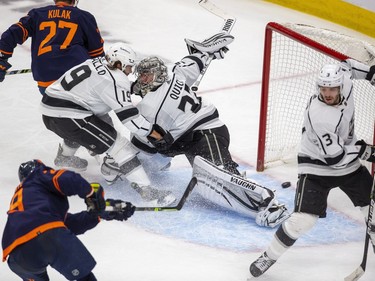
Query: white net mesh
x=293, y=70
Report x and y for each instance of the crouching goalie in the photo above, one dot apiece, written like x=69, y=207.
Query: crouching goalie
x=238, y=194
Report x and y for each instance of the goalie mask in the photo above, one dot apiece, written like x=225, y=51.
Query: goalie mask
x=27, y=168
x=151, y=72
x=120, y=54
x=331, y=76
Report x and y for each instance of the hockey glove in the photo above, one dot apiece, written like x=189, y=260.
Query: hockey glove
x=165, y=142
x=96, y=202
x=366, y=152
x=121, y=210
x=371, y=75
x=215, y=45
x=4, y=66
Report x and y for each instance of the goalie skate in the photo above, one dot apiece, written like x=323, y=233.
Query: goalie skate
x=272, y=215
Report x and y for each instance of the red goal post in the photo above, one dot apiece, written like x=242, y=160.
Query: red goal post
x=293, y=56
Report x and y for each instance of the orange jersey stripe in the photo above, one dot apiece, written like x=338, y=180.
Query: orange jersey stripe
x=32, y=234
x=55, y=180
x=96, y=52
x=45, y=84
x=7, y=53
x=24, y=30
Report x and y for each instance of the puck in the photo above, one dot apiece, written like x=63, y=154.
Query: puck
x=286, y=184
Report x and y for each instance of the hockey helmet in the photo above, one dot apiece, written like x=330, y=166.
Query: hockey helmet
x=330, y=76
x=25, y=169
x=120, y=53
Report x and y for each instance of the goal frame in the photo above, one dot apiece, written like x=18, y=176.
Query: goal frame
x=276, y=27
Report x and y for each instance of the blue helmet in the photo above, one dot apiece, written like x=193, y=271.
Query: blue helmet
x=27, y=168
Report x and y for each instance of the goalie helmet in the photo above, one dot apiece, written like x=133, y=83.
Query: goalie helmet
x=330, y=76
x=25, y=169
x=155, y=66
x=120, y=53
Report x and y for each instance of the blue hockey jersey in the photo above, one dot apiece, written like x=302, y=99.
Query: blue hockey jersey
x=62, y=36
x=40, y=203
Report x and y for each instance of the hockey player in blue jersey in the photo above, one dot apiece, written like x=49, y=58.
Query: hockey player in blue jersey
x=62, y=36
x=40, y=231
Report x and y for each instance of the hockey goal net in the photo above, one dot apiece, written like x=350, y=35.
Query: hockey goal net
x=293, y=56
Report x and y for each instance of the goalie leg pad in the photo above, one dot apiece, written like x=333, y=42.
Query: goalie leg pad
x=228, y=190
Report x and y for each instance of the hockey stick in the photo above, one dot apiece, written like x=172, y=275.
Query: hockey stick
x=227, y=27
x=178, y=207
x=359, y=271
x=19, y=71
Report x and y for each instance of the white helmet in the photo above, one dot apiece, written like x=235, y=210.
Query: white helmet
x=331, y=75
x=120, y=53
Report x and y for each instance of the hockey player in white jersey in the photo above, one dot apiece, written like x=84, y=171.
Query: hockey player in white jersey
x=74, y=106
x=197, y=131
x=329, y=157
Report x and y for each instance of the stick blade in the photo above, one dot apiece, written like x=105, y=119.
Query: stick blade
x=180, y=204
x=355, y=275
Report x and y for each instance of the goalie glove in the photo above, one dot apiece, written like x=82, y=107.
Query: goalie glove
x=216, y=45
x=366, y=151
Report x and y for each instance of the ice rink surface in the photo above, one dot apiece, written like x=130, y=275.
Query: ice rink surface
x=201, y=242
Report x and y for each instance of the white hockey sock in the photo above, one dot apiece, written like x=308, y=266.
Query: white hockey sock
x=291, y=229
x=276, y=249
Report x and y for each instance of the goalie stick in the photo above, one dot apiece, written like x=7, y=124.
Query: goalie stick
x=227, y=27
x=178, y=207
x=359, y=271
x=19, y=71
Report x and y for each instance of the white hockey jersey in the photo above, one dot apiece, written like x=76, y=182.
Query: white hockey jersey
x=91, y=88
x=174, y=107
x=328, y=135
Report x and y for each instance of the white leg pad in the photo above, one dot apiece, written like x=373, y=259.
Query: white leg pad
x=228, y=190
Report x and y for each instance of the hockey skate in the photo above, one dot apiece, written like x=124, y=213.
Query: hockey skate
x=261, y=265
x=161, y=198
x=110, y=170
x=69, y=162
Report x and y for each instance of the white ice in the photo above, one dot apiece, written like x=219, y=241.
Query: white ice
x=130, y=251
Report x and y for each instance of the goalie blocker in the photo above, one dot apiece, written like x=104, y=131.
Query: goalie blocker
x=238, y=194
